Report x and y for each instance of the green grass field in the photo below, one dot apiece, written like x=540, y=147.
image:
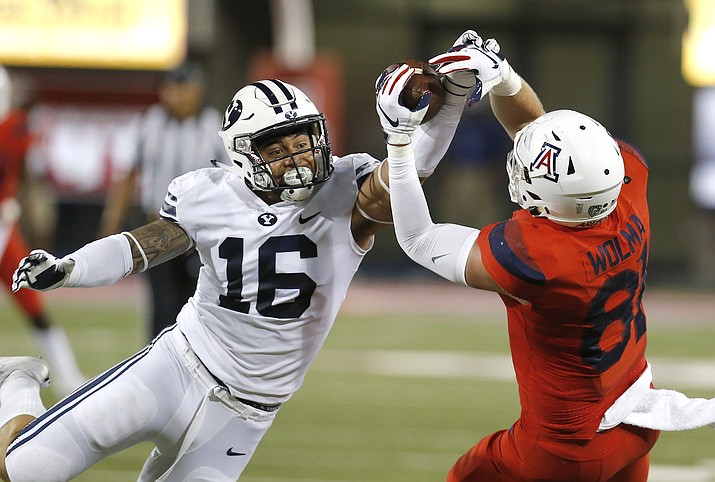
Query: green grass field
x=395, y=395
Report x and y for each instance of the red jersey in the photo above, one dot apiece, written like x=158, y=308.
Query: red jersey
x=15, y=140
x=580, y=342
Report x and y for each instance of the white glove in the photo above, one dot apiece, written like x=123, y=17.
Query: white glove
x=398, y=122
x=472, y=64
x=459, y=83
x=41, y=271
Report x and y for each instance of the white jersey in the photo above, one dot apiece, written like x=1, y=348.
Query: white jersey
x=273, y=277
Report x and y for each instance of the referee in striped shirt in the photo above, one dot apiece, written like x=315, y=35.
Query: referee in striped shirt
x=174, y=136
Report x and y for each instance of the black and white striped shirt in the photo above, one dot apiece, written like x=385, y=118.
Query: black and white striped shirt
x=169, y=147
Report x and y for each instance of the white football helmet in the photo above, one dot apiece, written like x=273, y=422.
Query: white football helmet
x=266, y=109
x=565, y=167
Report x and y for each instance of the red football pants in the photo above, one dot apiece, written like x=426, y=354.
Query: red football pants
x=16, y=249
x=618, y=455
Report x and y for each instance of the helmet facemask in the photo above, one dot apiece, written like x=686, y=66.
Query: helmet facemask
x=296, y=184
x=516, y=172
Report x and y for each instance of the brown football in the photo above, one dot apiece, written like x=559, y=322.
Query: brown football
x=425, y=78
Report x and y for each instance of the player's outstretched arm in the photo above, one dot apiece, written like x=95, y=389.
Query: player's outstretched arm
x=105, y=260
x=449, y=250
x=430, y=245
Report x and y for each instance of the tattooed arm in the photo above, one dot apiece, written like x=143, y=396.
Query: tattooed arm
x=105, y=260
x=156, y=243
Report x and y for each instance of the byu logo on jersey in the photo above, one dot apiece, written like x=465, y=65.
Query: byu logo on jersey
x=233, y=112
x=545, y=163
x=267, y=219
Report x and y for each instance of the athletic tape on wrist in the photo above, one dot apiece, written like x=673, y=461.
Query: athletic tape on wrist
x=511, y=84
x=399, y=151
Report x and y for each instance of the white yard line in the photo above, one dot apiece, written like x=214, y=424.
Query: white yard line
x=703, y=472
x=670, y=373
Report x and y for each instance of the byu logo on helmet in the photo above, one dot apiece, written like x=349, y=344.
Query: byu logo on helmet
x=233, y=112
x=546, y=160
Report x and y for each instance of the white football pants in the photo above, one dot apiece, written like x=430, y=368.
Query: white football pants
x=163, y=395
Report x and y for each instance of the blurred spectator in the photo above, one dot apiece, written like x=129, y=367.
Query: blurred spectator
x=702, y=186
x=473, y=178
x=177, y=135
x=15, y=140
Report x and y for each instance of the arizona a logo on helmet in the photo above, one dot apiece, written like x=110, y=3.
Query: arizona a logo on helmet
x=545, y=163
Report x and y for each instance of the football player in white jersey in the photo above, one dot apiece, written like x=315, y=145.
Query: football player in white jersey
x=280, y=233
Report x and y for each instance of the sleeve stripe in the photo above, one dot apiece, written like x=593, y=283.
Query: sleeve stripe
x=510, y=260
x=364, y=170
x=168, y=207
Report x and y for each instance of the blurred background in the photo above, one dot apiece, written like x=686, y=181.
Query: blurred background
x=426, y=360
x=638, y=66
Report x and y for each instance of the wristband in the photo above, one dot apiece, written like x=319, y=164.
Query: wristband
x=141, y=250
x=399, y=151
x=511, y=83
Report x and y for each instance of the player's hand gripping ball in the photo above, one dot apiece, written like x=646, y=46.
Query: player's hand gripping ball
x=425, y=78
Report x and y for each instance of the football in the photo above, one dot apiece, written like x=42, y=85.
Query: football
x=425, y=78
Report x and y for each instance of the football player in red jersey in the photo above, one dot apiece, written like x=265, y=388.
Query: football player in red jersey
x=15, y=140
x=569, y=266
